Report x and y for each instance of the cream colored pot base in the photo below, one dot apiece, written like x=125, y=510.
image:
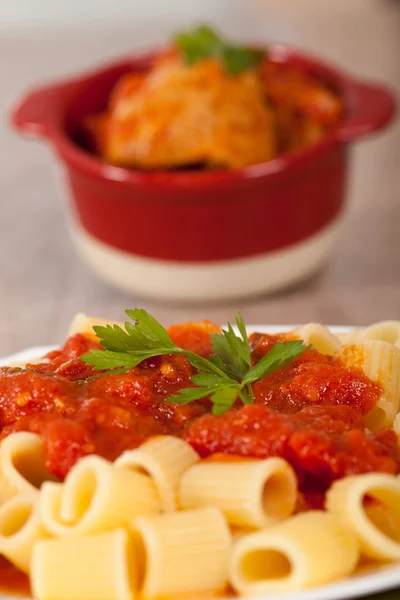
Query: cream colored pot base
x=222, y=280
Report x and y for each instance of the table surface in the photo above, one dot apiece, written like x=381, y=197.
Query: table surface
x=43, y=283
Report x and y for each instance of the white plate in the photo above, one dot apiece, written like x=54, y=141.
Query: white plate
x=25, y=356
x=382, y=579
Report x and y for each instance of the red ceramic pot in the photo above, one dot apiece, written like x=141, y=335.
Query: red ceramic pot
x=203, y=234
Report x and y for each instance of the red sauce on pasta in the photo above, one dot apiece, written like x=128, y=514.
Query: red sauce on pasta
x=13, y=581
x=310, y=412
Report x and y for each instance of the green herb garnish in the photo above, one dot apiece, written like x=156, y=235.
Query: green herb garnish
x=203, y=42
x=224, y=377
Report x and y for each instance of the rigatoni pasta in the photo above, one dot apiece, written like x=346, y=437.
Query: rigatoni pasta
x=98, y=567
x=350, y=336
x=255, y=493
x=81, y=323
x=22, y=465
x=183, y=552
x=396, y=425
x=380, y=362
x=20, y=528
x=95, y=497
x=319, y=337
x=164, y=459
x=369, y=505
x=306, y=550
x=384, y=331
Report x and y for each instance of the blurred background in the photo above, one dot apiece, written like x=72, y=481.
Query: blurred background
x=43, y=282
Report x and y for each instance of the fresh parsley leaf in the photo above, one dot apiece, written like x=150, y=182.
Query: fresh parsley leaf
x=187, y=395
x=226, y=376
x=203, y=364
x=223, y=400
x=209, y=379
x=239, y=345
x=147, y=326
x=102, y=360
x=230, y=362
x=222, y=391
x=250, y=393
x=232, y=350
x=243, y=332
x=125, y=349
x=113, y=337
x=144, y=338
x=217, y=362
x=204, y=42
x=244, y=396
x=247, y=395
x=280, y=355
x=238, y=59
x=144, y=333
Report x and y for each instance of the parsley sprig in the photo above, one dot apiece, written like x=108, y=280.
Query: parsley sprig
x=203, y=42
x=224, y=377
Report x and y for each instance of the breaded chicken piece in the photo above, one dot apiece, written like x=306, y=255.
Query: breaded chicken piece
x=176, y=115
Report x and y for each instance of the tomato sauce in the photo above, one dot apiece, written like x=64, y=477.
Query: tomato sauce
x=13, y=581
x=311, y=412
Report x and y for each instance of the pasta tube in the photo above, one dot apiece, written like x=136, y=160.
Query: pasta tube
x=22, y=465
x=20, y=528
x=380, y=362
x=309, y=549
x=98, y=567
x=96, y=496
x=250, y=493
x=164, y=458
x=396, y=425
x=369, y=504
x=319, y=337
x=183, y=552
x=81, y=323
x=384, y=331
x=352, y=336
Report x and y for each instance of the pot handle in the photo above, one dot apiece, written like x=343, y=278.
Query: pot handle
x=33, y=113
x=371, y=108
